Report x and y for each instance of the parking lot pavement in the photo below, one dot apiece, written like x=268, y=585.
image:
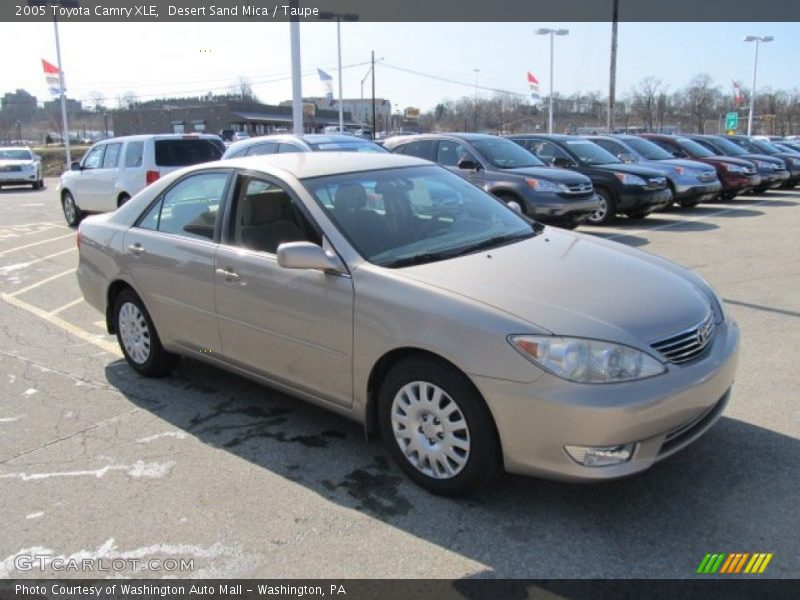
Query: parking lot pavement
x=239, y=480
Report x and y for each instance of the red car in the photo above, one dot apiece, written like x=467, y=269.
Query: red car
x=738, y=176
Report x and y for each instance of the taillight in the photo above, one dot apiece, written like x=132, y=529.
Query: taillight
x=151, y=176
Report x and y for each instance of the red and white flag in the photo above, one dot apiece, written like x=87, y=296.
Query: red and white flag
x=53, y=78
x=738, y=99
x=533, y=83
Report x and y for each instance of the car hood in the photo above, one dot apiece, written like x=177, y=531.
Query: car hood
x=549, y=174
x=572, y=284
x=15, y=163
x=682, y=162
x=630, y=168
x=728, y=160
x=768, y=158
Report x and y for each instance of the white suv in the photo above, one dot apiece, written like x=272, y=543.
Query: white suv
x=113, y=170
x=20, y=166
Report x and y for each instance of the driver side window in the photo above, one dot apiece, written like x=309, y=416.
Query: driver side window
x=449, y=154
x=548, y=152
x=94, y=158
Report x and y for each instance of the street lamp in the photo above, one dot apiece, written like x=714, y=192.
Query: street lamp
x=329, y=16
x=476, y=98
x=757, y=39
x=551, y=33
x=65, y=4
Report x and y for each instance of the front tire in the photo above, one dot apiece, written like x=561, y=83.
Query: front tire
x=72, y=213
x=607, y=210
x=437, y=428
x=138, y=338
x=688, y=203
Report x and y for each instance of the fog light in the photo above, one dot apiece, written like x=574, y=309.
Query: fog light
x=604, y=456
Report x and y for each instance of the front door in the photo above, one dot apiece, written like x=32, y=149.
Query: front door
x=294, y=326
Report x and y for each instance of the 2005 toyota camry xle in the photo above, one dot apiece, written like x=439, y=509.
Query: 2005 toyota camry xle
x=391, y=291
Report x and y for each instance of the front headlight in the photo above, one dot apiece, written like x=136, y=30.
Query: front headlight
x=629, y=179
x=586, y=361
x=541, y=185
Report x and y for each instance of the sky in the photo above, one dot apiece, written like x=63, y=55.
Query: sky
x=154, y=60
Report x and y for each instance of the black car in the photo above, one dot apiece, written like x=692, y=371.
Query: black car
x=772, y=170
x=691, y=181
x=502, y=168
x=624, y=188
x=766, y=148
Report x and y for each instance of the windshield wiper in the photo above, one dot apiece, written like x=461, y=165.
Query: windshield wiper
x=499, y=240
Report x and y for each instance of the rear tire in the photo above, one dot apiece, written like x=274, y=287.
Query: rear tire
x=72, y=213
x=512, y=202
x=138, y=338
x=437, y=428
x=637, y=215
x=607, y=211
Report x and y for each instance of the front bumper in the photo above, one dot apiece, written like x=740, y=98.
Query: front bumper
x=738, y=183
x=660, y=415
x=700, y=192
x=18, y=177
x=635, y=197
x=550, y=207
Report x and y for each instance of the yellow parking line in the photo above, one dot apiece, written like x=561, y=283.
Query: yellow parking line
x=97, y=340
x=61, y=237
x=65, y=306
x=42, y=282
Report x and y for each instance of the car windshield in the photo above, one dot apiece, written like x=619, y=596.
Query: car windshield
x=505, y=154
x=590, y=153
x=694, y=149
x=647, y=149
x=727, y=147
x=414, y=215
x=14, y=154
x=765, y=147
x=349, y=146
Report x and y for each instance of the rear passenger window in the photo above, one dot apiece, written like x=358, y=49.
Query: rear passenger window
x=184, y=152
x=266, y=148
x=111, y=158
x=134, y=154
x=283, y=148
x=190, y=208
x=421, y=149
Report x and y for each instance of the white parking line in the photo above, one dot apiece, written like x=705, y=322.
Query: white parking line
x=98, y=340
x=61, y=237
x=684, y=221
x=42, y=282
x=65, y=306
x=18, y=266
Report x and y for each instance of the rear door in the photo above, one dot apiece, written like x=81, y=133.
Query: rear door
x=170, y=256
x=293, y=326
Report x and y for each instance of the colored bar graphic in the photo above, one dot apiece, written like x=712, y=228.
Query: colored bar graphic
x=733, y=563
x=728, y=563
x=741, y=562
x=703, y=563
x=765, y=563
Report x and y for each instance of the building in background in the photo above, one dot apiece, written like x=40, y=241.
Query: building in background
x=359, y=109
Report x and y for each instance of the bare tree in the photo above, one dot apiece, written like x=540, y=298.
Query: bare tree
x=127, y=100
x=97, y=100
x=701, y=96
x=644, y=101
x=243, y=90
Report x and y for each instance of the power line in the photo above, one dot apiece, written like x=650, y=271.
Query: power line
x=470, y=85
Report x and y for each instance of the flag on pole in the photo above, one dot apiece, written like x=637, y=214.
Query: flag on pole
x=327, y=84
x=738, y=99
x=53, y=78
x=534, y=86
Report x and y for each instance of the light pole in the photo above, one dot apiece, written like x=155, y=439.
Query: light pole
x=552, y=33
x=297, y=78
x=328, y=16
x=64, y=125
x=757, y=39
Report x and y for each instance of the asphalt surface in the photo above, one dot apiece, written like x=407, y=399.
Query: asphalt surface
x=98, y=463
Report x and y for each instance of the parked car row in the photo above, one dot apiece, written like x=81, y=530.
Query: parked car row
x=557, y=179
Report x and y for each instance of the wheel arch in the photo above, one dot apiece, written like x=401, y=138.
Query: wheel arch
x=385, y=363
x=113, y=291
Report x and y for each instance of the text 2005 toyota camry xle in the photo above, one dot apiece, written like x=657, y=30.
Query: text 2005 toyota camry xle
x=392, y=291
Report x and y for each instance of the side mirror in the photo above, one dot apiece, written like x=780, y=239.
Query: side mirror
x=305, y=255
x=562, y=162
x=627, y=158
x=75, y=166
x=467, y=164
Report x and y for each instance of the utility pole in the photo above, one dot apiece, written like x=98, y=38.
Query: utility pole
x=612, y=80
x=374, y=131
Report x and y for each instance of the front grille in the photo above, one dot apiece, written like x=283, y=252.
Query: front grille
x=580, y=188
x=688, y=345
x=657, y=183
x=10, y=168
x=683, y=434
x=707, y=176
x=750, y=170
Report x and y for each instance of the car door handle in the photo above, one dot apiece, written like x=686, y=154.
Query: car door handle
x=229, y=274
x=136, y=249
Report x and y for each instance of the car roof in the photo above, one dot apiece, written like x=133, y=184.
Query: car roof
x=304, y=165
x=556, y=137
x=28, y=148
x=160, y=136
